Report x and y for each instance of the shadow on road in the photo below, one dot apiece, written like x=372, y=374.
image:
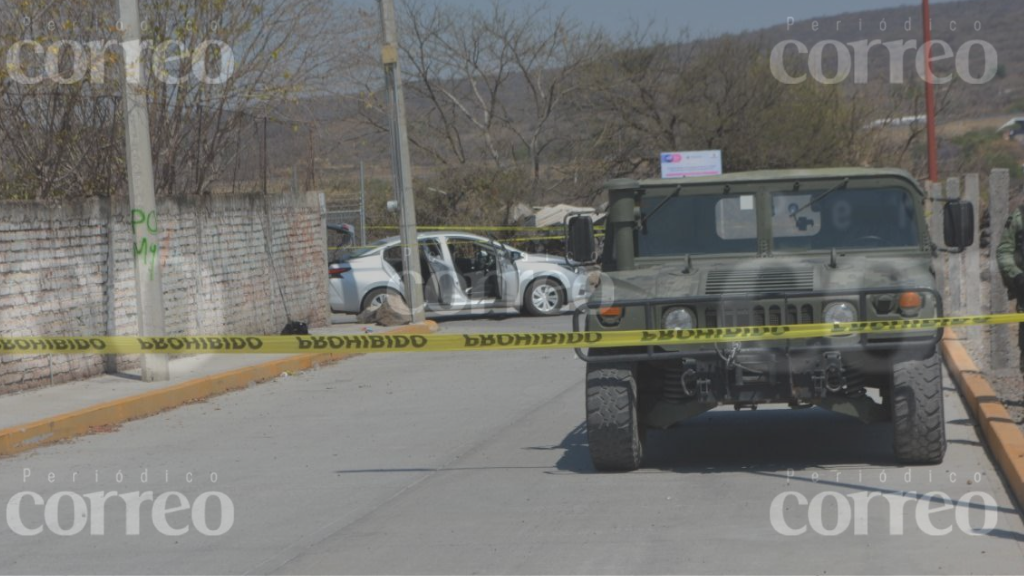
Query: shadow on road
x=961, y=422
x=774, y=443
x=768, y=440
x=493, y=316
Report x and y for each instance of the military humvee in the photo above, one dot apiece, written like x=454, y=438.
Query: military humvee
x=764, y=249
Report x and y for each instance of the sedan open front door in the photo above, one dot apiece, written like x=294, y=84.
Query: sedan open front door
x=508, y=276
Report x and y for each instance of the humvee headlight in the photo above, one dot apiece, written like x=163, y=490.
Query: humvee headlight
x=840, y=312
x=679, y=319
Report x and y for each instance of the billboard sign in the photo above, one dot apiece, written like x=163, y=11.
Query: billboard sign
x=691, y=164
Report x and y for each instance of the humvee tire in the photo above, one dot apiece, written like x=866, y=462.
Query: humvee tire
x=919, y=423
x=613, y=427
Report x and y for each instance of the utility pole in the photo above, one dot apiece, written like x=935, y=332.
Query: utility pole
x=400, y=161
x=362, y=205
x=929, y=94
x=149, y=292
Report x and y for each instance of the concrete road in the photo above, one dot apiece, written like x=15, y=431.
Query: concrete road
x=477, y=463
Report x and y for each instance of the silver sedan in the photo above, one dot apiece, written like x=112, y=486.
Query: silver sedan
x=461, y=272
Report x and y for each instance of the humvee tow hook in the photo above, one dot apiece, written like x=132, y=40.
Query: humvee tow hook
x=833, y=377
x=688, y=381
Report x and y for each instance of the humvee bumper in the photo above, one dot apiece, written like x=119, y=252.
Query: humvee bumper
x=766, y=309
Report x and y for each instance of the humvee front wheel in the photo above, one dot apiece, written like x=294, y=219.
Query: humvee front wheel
x=613, y=428
x=919, y=423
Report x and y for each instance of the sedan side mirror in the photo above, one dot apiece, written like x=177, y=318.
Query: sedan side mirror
x=580, y=244
x=958, y=224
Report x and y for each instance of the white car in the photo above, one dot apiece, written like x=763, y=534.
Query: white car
x=460, y=272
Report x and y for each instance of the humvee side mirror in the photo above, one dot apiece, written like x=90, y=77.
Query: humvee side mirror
x=958, y=224
x=580, y=244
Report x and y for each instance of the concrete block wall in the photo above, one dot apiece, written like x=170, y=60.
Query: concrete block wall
x=69, y=270
x=53, y=266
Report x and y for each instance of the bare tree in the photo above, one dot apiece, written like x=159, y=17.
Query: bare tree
x=211, y=65
x=653, y=93
x=490, y=89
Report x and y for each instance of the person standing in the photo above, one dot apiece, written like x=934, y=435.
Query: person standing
x=1011, y=264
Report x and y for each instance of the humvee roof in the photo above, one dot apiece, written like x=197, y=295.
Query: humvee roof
x=776, y=175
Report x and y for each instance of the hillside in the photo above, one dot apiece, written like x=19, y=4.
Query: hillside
x=344, y=140
x=1000, y=22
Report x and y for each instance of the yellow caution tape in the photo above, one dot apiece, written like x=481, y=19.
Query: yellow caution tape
x=482, y=228
x=452, y=242
x=531, y=239
x=363, y=343
x=471, y=228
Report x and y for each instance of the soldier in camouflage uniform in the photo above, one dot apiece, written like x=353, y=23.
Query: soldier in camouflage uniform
x=1011, y=264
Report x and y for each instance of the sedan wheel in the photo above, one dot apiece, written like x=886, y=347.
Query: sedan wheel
x=375, y=299
x=544, y=298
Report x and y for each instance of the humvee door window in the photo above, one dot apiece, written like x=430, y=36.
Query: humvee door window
x=711, y=224
x=845, y=219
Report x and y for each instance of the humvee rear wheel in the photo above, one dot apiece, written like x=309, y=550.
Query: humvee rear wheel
x=919, y=423
x=613, y=428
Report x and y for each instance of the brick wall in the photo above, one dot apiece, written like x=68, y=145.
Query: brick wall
x=68, y=270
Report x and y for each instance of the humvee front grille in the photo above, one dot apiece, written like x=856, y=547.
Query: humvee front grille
x=745, y=314
x=761, y=281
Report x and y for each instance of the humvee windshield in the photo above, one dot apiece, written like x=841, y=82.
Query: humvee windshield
x=866, y=218
x=805, y=220
x=711, y=224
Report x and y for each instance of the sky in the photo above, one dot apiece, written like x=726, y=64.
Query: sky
x=701, y=16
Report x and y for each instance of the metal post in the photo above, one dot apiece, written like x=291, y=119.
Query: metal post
x=971, y=293
x=199, y=150
x=312, y=161
x=362, y=205
x=110, y=360
x=263, y=156
x=929, y=94
x=148, y=281
x=400, y=161
x=955, y=278
x=935, y=226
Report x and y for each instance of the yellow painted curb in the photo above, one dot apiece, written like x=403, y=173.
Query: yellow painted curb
x=101, y=417
x=1001, y=433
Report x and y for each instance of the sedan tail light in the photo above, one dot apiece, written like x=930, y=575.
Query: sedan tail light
x=338, y=269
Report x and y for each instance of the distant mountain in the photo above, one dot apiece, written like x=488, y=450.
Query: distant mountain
x=344, y=140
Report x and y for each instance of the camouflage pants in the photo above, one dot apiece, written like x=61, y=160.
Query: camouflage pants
x=1020, y=344
x=1020, y=339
